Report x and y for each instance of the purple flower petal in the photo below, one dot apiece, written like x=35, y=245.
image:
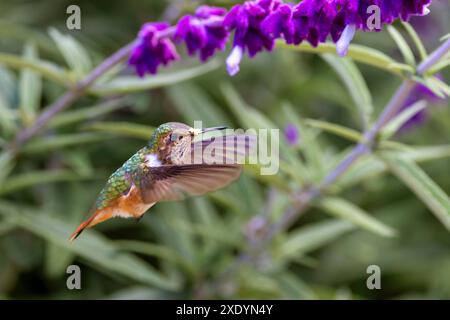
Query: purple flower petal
x=151, y=51
x=279, y=23
x=291, y=133
x=200, y=36
x=234, y=60
x=246, y=20
x=344, y=41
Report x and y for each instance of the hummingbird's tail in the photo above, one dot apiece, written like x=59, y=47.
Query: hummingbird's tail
x=96, y=218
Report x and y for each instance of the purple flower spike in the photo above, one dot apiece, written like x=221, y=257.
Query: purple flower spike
x=152, y=50
x=201, y=33
x=256, y=25
x=291, y=133
x=246, y=20
x=279, y=23
x=313, y=20
x=403, y=9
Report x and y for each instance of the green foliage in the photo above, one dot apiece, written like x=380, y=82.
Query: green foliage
x=425, y=188
x=195, y=248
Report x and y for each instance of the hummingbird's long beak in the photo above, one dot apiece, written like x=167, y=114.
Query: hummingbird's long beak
x=196, y=131
x=213, y=129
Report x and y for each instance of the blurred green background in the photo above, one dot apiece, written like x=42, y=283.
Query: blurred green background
x=188, y=249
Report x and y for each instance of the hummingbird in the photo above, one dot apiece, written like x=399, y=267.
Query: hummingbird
x=164, y=170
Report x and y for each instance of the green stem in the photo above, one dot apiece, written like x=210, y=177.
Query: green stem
x=358, y=53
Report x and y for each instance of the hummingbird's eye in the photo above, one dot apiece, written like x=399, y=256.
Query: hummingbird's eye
x=173, y=137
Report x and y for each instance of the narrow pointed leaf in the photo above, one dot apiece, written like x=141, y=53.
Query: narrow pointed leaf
x=73, y=52
x=313, y=236
x=335, y=129
x=358, y=53
x=40, y=145
x=30, y=88
x=45, y=68
x=355, y=84
x=402, y=45
x=29, y=179
x=395, y=124
x=124, y=129
x=416, y=39
x=343, y=209
x=194, y=104
x=88, y=113
x=92, y=247
x=422, y=185
x=129, y=84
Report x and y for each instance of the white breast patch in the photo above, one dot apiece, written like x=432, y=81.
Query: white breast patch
x=152, y=160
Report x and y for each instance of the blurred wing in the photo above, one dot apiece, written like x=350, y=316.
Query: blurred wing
x=167, y=183
x=231, y=149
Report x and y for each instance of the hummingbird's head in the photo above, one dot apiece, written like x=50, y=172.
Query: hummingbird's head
x=172, y=140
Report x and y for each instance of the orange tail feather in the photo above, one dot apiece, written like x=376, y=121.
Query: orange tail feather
x=95, y=219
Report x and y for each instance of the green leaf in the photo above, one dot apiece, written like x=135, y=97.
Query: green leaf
x=250, y=117
x=440, y=85
x=30, y=88
x=335, y=129
x=441, y=65
x=73, y=52
x=6, y=227
x=193, y=104
x=8, y=123
x=356, y=86
x=403, y=117
x=25, y=33
x=370, y=167
x=420, y=154
x=311, y=148
x=211, y=233
x=45, y=68
x=356, y=52
x=154, y=250
x=313, y=236
x=402, y=45
x=56, y=260
x=125, y=129
x=294, y=287
x=7, y=119
x=165, y=227
x=40, y=145
x=6, y=165
x=140, y=293
x=421, y=184
x=130, y=84
x=92, y=247
x=445, y=37
x=29, y=179
x=343, y=209
x=416, y=39
x=79, y=162
x=84, y=114
x=434, y=85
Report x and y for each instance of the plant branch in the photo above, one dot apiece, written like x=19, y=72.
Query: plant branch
x=304, y=198
x=67, y=99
